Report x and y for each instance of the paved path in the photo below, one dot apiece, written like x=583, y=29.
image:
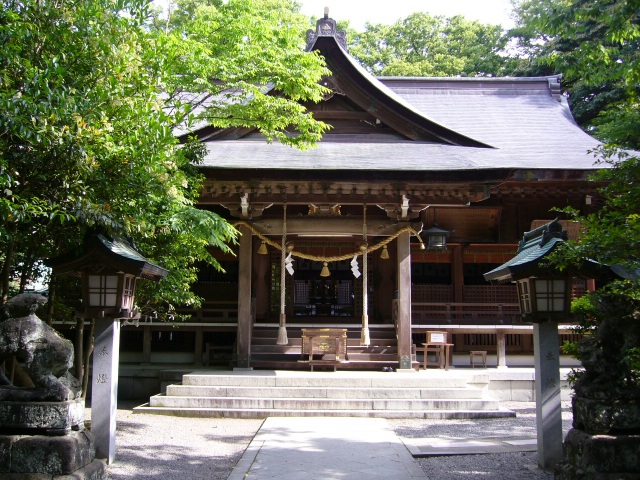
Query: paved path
x=327, y=448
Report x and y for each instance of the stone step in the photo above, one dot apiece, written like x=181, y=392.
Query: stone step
x=264, y=413
x=326, y=392
x=259, y=394
x=315, y=379
x=321, y=403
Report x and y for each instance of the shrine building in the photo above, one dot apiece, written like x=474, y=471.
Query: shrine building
x=386, y=228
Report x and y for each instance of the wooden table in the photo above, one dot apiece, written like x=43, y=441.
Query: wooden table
x=442, y=352
x=437, y=344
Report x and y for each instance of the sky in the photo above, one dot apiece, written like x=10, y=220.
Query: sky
x=358, y=12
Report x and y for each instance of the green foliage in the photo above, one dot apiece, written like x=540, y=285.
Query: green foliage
x=611, y=234
x=422, y=45
x=595, y=45
x=609, y=349
x=252, y=49
x=91, y=92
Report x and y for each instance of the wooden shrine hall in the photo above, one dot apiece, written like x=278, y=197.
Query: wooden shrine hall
x=385, y=229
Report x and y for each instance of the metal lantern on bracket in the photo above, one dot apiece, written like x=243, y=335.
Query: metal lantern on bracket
x=109, y=269
x=436, y=238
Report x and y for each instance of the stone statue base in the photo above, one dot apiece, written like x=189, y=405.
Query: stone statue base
x=49, y=418
x=601, y=457
x=46, y=441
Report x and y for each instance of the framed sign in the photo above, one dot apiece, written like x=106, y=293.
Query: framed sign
x=437, y=337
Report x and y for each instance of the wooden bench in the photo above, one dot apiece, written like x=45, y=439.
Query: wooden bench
x=482, y=354
x=323, y=343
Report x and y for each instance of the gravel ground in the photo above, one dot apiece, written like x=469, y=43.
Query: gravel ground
x=503, y=466
x=178, y=448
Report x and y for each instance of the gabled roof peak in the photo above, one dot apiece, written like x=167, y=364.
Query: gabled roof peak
x=326, y=27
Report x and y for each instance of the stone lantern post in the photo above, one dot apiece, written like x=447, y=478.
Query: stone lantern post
x=109, y=269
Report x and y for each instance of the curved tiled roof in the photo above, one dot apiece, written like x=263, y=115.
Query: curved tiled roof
x=525, y=122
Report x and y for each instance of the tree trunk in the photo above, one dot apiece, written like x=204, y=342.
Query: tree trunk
x=78, y=357
x=27, y=270
x=87, y=358
x=51, y=301
x=6, y=268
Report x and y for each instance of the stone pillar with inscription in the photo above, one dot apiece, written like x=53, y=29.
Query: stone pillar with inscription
x=104, y=387
x=548, y=405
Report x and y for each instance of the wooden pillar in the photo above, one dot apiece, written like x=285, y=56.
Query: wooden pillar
x=146, y=345
x=458, y=274
x=403, y=322
x=261, y=286
x=198, y=346
x=245, y=320
x=384, y=292
x=501, y=346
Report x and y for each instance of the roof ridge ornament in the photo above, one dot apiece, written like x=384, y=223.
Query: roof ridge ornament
x=541, y=235
x=554, y=87
x=326, y=27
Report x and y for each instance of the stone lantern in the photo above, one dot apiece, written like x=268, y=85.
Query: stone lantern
x=545, y=298
x=109, y=269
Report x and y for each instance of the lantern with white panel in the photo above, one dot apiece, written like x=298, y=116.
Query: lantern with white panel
x=543, y=297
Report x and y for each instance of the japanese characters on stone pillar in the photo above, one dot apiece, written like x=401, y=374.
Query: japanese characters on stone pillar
x=104, y=386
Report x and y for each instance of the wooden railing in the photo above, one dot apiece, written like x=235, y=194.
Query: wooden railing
x=212, y=312
x=464, y=313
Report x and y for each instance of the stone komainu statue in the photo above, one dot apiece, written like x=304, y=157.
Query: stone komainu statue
x=44, y=355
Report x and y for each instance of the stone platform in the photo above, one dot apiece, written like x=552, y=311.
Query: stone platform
x=46, y=441
x=51, y=418
x=601, y=457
